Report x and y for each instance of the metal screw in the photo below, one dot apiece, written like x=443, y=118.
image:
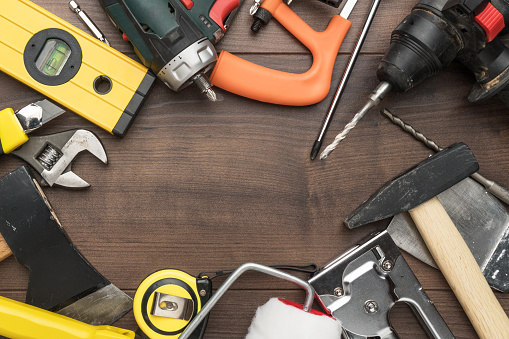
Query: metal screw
x=203, y=293
x=338, y=292
x=387, y=265
x=169, y=306
x=371, y=306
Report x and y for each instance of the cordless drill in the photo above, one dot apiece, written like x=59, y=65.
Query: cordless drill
x=174, y=38
x=434, y=34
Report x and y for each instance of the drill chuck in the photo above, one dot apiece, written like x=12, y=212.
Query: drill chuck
x=422, y=45
x=179, y=72
x=436, y=32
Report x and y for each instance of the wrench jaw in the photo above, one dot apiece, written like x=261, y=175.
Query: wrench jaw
x=70, y=179
x=52, y=156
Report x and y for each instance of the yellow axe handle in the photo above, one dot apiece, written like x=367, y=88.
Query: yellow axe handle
x=460, y=269
x=22, y=321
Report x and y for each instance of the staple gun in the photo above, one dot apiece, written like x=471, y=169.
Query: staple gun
x=361, y=286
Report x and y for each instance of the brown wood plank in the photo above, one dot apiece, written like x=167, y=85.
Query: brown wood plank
x=203, y=186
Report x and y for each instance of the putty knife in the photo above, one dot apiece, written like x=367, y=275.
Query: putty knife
x=482, y=221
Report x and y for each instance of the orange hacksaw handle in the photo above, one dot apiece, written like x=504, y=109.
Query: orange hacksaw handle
x=247, y=79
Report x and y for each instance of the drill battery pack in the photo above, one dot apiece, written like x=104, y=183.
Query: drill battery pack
x=71, y=67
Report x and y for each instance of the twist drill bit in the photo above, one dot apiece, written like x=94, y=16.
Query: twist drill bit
x=374, y=99
x=491, y=186
x=410, y=130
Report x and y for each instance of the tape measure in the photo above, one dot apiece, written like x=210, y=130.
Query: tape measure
x=167, y=301
x=70, y=66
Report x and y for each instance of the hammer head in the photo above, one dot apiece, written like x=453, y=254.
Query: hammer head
x=416, y=185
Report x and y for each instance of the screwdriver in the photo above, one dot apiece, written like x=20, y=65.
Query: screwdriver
x=344, y=79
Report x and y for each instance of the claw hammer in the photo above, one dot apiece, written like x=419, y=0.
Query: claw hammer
x=415, y=191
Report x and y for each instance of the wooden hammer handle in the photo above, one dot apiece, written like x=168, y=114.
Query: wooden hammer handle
x=5, y=251
x=460, y=269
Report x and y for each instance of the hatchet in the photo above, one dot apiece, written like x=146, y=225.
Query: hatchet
x=61, y=279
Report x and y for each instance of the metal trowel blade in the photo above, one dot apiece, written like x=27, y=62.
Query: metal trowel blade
x=481, y=220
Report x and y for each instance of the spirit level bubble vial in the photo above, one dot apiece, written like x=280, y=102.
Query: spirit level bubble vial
x=70, y=66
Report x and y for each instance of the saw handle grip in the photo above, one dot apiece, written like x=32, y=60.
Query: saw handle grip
x=460, y=269
x=20, y=320
x=12, y=134
x=247, y=79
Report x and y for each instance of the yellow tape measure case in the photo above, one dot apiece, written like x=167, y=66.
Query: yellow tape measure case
x=71, y=67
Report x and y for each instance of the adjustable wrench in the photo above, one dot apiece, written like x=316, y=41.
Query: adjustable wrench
x=50, y=155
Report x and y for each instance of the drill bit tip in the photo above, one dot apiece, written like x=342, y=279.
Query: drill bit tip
x=341, y=136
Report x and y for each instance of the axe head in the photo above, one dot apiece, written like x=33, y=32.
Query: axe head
x=61, y=279
x=416, y=185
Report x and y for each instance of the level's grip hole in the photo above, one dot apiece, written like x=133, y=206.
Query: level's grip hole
x=102, y=84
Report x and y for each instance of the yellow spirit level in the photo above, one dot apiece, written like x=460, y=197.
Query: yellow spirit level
x=71, y=67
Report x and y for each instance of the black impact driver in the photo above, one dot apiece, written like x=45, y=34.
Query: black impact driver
x=435, y=33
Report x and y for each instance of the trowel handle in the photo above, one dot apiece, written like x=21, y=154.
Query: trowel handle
x=460, y=269
x=247, y=79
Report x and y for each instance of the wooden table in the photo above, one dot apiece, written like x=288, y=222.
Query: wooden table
x=203, y=186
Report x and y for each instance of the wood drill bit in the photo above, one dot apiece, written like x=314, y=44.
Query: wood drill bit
x=374, y=99
x=410, y=130
x=491, y=186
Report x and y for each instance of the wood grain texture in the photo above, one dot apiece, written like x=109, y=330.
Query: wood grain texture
x=203, y=186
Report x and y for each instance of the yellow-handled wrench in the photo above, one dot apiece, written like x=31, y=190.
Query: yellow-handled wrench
x=49, y=155
x=14, y=126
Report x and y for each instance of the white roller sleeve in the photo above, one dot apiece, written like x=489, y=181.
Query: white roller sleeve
x=277, y=320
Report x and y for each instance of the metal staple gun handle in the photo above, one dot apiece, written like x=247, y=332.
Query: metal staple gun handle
x=361, y=287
